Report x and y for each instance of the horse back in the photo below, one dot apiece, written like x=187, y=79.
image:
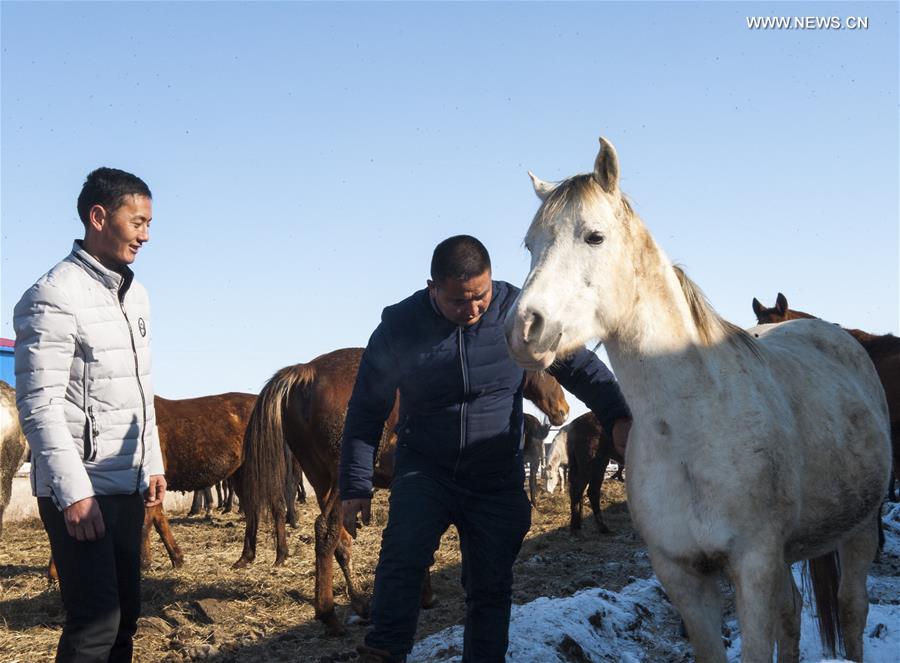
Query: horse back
x=835, y=425
x=317, y=406
x=201, y=439
x=812, y=359
x=588, y=441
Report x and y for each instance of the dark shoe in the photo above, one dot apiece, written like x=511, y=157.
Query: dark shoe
x=372, y=655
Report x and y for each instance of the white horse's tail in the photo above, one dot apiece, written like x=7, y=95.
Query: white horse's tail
x=825, y=576
x=558, y=455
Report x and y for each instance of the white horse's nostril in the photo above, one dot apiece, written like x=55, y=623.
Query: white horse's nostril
x=534, y=326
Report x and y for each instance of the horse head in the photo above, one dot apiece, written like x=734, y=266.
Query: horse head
x=779, y=313
x=578, y=237
x=544, y=391
x=556, y=456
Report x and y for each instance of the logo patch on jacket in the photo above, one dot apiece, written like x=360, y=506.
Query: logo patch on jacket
x=142, y=326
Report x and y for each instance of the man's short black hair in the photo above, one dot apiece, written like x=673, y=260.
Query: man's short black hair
x=460, y=257
x=107, y=187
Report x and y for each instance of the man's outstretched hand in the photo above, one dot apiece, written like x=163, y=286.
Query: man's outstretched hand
x=357, y=511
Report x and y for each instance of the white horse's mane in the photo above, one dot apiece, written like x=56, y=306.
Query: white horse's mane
x=707, y=320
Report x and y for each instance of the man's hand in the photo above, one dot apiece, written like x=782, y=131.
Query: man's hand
x=352, y=509
x=620, y=435
x=84, y=521
x=156, y=492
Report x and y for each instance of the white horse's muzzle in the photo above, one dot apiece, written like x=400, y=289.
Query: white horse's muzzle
x=532, y=342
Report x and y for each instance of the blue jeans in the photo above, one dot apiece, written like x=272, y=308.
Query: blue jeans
x=491, y=526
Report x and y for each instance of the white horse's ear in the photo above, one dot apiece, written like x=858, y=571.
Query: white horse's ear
x=541, y=188
x=606, y=167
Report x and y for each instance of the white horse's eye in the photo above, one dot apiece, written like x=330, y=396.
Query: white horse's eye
x=594, y=238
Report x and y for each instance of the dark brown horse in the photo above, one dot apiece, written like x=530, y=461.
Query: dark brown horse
x=304, y=405
x=590, y=449
x=885, y=354
x=533, y=451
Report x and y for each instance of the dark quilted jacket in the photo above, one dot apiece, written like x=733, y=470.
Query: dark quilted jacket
x=460, y=396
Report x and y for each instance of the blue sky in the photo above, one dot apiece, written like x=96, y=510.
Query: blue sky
x=306, y=158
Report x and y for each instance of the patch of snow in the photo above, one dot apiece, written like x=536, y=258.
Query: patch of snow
x=639, y=624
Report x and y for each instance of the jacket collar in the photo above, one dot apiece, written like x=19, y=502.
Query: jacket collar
x=117, y=281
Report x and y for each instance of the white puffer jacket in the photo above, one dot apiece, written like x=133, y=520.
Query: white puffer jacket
x=83, y=384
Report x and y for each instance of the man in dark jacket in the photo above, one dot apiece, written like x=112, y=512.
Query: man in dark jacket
x=459, y=458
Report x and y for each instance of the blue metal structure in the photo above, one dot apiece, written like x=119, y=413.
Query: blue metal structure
x=7, y=361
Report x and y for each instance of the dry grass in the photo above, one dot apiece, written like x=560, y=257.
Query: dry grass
x=208, y=610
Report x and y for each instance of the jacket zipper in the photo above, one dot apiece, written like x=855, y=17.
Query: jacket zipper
x=137, y=374
x=88, y=424
x=95, y=433
x=462, y=409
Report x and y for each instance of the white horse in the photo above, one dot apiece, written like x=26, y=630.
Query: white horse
x=746, y=454
x=13, y=448
x=557, y=459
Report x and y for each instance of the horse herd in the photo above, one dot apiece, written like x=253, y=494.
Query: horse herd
x=747, y=452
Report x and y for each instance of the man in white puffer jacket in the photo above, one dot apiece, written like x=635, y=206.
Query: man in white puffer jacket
x=85, y=402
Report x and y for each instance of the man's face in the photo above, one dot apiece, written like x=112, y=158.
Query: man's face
x=118, y=237
x=462, y=302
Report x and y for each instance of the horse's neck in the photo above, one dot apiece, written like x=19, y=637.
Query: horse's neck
x=867, y=339
x=661, y=322
x=660, y=354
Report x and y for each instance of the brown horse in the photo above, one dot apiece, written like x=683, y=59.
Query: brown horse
x=294, y=491
x=885, y=354
x=201, y=440
x=533, y=451
x=305, y=406
x=590, y=449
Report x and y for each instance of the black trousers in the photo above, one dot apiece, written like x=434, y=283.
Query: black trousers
x=100, y=581
x=491, y=529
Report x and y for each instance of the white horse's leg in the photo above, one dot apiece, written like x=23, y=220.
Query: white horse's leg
x=758, y=577
x=697, y=598
x=856, y=555
x=791, y=604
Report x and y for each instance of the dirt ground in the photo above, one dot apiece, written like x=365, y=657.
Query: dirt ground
x=206, y=610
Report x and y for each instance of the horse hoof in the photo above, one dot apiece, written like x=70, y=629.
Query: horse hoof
x=242, y=563
x=178, y=562
x=333, y=628
x=360, y=612
x=279, y=561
